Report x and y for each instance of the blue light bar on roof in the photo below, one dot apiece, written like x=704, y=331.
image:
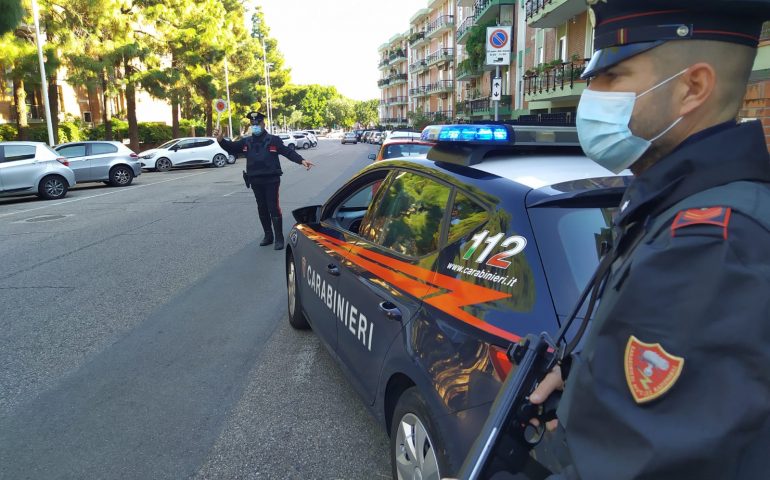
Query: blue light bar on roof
x=468, y=133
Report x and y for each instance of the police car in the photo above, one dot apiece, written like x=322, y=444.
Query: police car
x=418, y=274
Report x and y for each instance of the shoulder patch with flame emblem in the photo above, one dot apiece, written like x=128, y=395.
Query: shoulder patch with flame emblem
x=650, y=370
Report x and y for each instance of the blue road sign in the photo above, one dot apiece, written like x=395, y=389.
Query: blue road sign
x=498, y=39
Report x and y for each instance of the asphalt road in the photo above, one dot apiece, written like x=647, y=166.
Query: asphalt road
x=143, y=334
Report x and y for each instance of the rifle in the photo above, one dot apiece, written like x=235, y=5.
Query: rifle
x=505, y=440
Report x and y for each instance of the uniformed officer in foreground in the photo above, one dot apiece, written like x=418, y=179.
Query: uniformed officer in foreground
x=673, y=381
x=263, y=173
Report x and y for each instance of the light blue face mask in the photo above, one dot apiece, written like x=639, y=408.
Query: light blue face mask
x=603, y=120
x=256, y=130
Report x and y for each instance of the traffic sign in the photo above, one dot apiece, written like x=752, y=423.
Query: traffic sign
x=497, y=89
x=220, y=105
x=499, y=45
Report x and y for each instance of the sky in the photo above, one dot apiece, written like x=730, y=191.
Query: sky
x=334, y=42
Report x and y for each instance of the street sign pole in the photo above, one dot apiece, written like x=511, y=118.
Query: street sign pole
x=497, y=101
x=229, y=113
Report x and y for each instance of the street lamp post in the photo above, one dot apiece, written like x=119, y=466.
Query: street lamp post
x=43, y=80
x=229, y=107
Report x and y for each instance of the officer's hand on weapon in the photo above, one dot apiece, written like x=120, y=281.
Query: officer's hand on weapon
x=218, y=134
x=307, y=164
x=552, y=382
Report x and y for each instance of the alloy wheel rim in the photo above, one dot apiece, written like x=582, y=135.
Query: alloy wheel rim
x=220, y=160
x=292, y=289
x=54, y=187
x=121, y=176
x=415, y=456
x=164, y=164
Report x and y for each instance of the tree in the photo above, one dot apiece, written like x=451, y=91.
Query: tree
x=366, y=112
x=12, y=15
x=19, y=60
x=340, y=113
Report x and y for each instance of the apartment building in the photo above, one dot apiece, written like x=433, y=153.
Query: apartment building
x=394, y=98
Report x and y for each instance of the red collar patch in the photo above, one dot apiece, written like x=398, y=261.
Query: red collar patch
x=650, y=370
x=272, y=149
x=717, y=216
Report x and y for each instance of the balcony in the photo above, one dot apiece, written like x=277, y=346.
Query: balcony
x=394, y=121
x=465, y=71
x=561, y=82
x=440, y=116
x=398, y=79
x=397, y=57
x=382, y=83
x=418, y=91
x=442, y=55
x=417, y=38
x=487, y=10
x=398, y=100
x=485, y=107
x=418, y=66
x=384, y=63
x=441, y=24
x=552, y=13
x=465, y=27
x=441, y=86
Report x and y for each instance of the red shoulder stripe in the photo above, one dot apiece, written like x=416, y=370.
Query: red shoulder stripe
x=718, y=216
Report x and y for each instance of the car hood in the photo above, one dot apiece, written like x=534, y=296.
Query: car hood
x=147, y=152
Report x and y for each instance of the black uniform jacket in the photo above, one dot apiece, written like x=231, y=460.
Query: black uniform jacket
x=674, y=378
x=261, y=154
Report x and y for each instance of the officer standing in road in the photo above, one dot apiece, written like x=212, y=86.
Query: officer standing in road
x=673, y=381
x=263, y=173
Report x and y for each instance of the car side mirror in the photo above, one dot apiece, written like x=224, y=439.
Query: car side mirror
x=372, y=156
x=174, y=148
x=307, y=215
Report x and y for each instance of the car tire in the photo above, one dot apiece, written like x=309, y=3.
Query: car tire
x=121, y=176
x=412, y=421
x=219, y=161
x=305, y=146
x=231, y=159
x=296, y=319
x=292, y=146
x=163, y=164
x=52, y=187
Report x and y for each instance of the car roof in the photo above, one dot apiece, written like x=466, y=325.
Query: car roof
x=22, y=142
x=540, y=170
x=405, y=141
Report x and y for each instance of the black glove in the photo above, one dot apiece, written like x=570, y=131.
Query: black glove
x=246, y=180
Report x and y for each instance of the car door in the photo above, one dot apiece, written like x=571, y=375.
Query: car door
x=18, y=169
x=392, y=263
x=203, y=150
x=79, y=161
x=185, y=152
x=102, y=155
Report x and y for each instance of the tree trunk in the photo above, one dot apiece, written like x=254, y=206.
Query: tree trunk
x=105, y=109
x=20, y=99
x=209, y=116
x=53, y=104
x=174, y=116
x=133, y=126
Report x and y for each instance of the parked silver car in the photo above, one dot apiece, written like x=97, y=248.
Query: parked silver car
x=33, y=168
x=110, y=162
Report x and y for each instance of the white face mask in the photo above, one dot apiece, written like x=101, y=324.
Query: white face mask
x=603, y=120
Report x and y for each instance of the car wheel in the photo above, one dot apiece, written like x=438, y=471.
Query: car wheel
x=163, y=164
x=296, y=318
x=52, y=187
x=415, y=443
x=305, y=146
x=121, y=176
x=219, y=160
x=292, y=146
x=231, y=159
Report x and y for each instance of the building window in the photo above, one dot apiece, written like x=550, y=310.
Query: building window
x=87, y=117
x=562, y=53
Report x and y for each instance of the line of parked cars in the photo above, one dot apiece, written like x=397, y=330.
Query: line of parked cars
x=34, y=168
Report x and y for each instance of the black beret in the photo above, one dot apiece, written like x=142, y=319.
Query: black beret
x=624, y=28
x=255, y=117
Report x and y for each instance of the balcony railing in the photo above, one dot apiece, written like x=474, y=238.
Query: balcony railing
x=466, y=25
x=439, y=23
x=441, y=55
x=398, y=100
x=416, y=37
x=552, y=13
x=561, y=78
x=396, y=55
x=485, y=106
x=384, y=62
x=440, y=116
x=382, y=82
x=466, y=71
x=394, y=121
x=418, y=65
x=440, y=86
x=418, y=91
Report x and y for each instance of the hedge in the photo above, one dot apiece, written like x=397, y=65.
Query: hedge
x=153, y=133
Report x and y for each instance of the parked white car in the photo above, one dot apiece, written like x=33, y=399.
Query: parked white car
x=33, y=168
x=310, y=136
x=184, y=152
x=288, y=140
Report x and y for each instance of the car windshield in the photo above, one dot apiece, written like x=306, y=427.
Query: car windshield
x=571, y=241
x=398, y=150
x=168, y=144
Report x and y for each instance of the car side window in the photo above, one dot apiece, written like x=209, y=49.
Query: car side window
x=465, y=216
x=204, y=143
x=408, y=215
x=14, y=153
x=102, y=148
x=71, y=151
x=185, y=144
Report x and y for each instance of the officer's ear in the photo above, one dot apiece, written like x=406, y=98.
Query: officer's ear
x=695, y=88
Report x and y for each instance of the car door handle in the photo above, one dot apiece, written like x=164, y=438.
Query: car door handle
x=333, y=269
x=391, y=311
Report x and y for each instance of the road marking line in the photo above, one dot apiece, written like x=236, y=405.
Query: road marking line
x=233, y=193
x=125, y=189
